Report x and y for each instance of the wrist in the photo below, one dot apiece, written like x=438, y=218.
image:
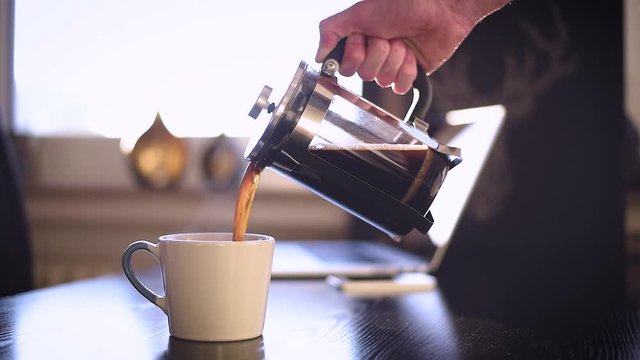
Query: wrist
x=477, y=10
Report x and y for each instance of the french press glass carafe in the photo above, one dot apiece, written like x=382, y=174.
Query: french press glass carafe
x=384, y=170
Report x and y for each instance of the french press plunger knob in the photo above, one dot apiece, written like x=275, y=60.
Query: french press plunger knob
x=262, y=103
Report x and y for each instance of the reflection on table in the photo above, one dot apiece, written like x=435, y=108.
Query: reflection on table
x=106, y=318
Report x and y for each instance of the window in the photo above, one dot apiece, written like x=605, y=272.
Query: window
x=104, y=68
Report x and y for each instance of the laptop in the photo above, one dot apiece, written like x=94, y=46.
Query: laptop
x=472, y=130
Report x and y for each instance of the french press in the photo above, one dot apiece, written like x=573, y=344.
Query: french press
x=353, y=153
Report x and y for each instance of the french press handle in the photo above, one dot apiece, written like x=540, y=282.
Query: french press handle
x=422, y=84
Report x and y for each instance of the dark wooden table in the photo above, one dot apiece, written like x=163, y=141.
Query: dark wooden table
x=106, y=318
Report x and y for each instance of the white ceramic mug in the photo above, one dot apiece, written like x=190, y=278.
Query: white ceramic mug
x=215, y=288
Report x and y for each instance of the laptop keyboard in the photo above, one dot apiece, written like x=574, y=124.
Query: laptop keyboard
x=359, y=252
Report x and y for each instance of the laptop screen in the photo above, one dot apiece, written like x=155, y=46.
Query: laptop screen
x=474, y=131
x=356, y=258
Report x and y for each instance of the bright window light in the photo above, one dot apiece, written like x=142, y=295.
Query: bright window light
x=469, y=116
x=99, y=67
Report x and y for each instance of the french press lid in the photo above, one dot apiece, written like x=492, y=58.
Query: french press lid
x=265, y=143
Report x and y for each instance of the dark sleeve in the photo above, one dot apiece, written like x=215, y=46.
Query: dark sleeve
x=15, y=253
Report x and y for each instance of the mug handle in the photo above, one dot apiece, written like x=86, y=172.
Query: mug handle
x=154, y=249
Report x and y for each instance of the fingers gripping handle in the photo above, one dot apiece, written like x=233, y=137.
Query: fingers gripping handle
x=154, y=249
x=422, y=84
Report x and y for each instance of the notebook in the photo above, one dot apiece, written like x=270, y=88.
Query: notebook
x=472, y=130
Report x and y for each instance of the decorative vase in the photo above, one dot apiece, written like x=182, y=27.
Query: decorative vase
x=222, y=164
x=158, y=159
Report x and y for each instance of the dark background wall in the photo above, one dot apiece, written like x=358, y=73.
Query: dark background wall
x=544, y=233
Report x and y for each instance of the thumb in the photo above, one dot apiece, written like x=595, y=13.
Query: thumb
x=332, y=29
x=328, y=41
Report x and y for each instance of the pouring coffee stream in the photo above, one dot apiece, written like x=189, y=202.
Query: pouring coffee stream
x=351, y=152
x=244, y=202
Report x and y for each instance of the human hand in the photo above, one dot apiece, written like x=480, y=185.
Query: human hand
x=386, y=39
